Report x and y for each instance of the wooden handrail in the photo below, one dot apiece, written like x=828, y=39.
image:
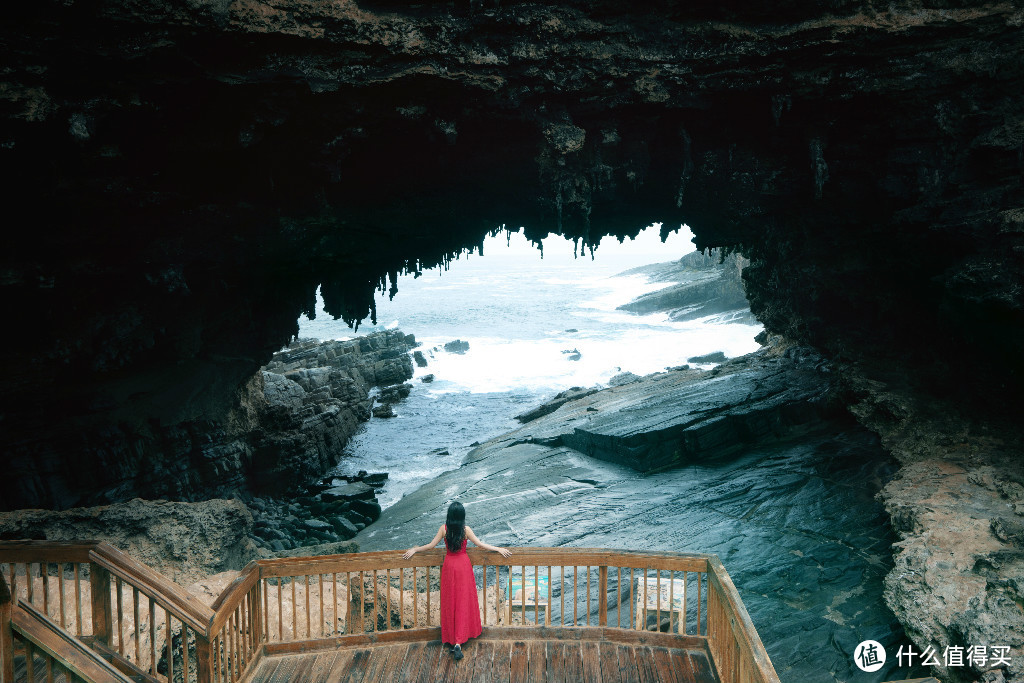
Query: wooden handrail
x=46, y=551
x=184, y=606
x=392, y=559
x=229, y=600
x=743, y=628
x=62, y=647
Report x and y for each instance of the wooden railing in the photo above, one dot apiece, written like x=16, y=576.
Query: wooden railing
x=302, y=604
x=144, y=623
x=45, y=648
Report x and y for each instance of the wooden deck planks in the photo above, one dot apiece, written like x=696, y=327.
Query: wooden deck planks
x=519, y=664
x=433, y=653
x=500, y=661
x=667, y=673
x=482, y=658
x=374, y=664
x=411, y=666
x=644, y=657
x=538, y=661
x=285, y=671
x=702, y=667
x=555, y=655
x=591, y=662
x=573, y=662
x=627, y=664
x=396, y=657
x=339, y=672
x=610, y=669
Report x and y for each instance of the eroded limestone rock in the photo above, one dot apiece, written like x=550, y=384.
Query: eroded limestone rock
x=184, y=541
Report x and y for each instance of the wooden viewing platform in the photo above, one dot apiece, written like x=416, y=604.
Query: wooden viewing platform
x=86, y=611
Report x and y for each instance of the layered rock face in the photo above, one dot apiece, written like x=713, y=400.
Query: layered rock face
x=317, y=394
x=288, y=426
x=703, y=284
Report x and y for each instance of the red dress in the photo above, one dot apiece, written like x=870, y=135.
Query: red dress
x=460, y=607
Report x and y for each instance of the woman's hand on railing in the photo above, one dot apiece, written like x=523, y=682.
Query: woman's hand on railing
x=504, y=552
x=409, y=553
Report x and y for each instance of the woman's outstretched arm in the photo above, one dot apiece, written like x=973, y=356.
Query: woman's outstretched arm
x=505, y=552
x=437, y=539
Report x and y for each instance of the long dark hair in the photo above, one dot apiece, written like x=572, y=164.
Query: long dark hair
x=455, y=527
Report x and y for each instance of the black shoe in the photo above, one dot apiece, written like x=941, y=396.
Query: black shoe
x=457, y=652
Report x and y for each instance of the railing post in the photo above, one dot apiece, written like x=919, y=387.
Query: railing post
x=99, y=585
x=6, y=634
x=602, y=591
x=204, y=659
x=257, y=613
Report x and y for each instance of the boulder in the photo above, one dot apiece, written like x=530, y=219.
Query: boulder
x=375, y=479
x=395, y=393
x=368, y=508
x=348, y=492
x=345, y=528
x=427, y=379
x=383, y=411
x=716, y=357
x=622, y=378
x=421, y=360
x=457, y=346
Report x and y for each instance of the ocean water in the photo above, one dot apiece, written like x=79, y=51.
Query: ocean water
x=519, y=312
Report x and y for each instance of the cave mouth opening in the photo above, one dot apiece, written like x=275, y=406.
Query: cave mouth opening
x=504, y=327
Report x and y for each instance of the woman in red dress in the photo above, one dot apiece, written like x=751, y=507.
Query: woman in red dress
x=460, y=609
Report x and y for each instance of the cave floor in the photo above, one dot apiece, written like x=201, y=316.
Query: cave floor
x=513, y=659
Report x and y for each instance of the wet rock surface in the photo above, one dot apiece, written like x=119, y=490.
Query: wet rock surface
x=457, y=346
x=716, y=357
x=795, y=522
x=680, y=417
x=560, y=399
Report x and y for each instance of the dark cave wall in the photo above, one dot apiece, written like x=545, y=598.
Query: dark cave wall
x=182, y=179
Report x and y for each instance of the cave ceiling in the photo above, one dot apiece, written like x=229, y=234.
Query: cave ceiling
x=181, y=177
